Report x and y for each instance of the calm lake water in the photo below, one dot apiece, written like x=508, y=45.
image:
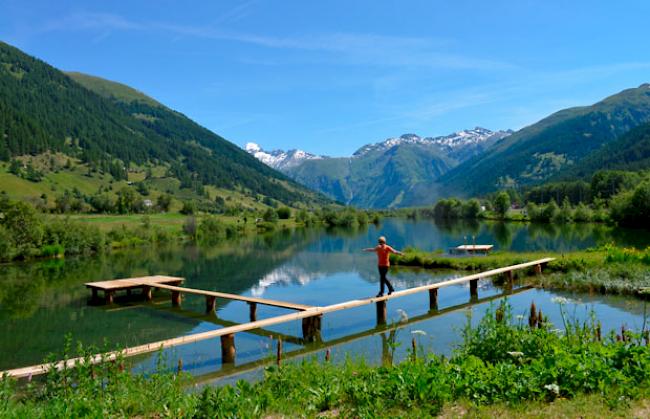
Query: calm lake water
x=42, y=302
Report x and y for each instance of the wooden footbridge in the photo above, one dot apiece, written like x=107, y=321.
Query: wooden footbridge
x=309, y=315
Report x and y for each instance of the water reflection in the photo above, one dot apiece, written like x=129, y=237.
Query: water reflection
x=41, y=302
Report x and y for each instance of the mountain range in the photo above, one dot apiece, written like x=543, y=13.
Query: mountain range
x=411, y=171
x=395, y=172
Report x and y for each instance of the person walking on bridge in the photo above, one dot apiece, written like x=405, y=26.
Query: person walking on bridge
x=383, y=252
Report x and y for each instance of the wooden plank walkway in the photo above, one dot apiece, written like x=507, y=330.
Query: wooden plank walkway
x=216, y=294
x=311, y=320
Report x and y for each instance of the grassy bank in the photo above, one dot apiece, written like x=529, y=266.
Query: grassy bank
x=505, y=366
x=607, y=269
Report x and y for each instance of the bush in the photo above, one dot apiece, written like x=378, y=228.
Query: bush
x=502, y=204
x=270, y=215
x=189, y=208
x=211, y=230
x=633, y=208
x=25, y=227
x=284, y=213
x=7, y=248
x=471, y=209
x=189, y=227
x=582, y=213
x=74, y=238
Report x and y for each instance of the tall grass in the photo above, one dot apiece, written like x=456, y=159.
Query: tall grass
x=500, y=361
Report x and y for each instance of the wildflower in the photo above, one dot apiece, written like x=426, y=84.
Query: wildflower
x=515, y=354
x=418, y=332
x=520, y=317
x=553, y=388
x=560, y=300
x=403, y=317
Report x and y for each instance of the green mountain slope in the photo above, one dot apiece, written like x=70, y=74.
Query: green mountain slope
x=630, y=152
x=108, y=125
x=542, y=150
x=377, y=179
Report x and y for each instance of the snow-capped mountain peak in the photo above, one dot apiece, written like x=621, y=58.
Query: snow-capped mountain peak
x=279, y=159
x=451, y=142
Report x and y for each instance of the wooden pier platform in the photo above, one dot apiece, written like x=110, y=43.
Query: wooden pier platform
x=311, y=318
x=474, y=248
x=144, y=283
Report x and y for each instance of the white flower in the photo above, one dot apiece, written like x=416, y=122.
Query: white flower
x=403, y=317
x=418, y=332
x=565, y=301
x=560, y=300
x=515, y=354
x=553, y=387
x=520, y=317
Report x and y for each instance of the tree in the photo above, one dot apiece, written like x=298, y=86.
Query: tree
x=15, y=167
x=189, y=207
x=270, y=215
x=632, y=208
x=471, y=209
x=284, y=213
x=164, y=202
x=502, y=204
x=25, y=227
x=128, y=201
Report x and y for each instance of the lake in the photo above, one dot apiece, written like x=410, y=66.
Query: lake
x=43, y=302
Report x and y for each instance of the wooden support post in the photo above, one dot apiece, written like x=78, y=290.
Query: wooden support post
x=510, y=279
x=433, y=299
x=108, y=297
x=228, y=350
x=146, y=293
x=128, y=292
x=311, y=328
x=176, y=298
x=278, y=358
x=538, y=269
x=473, y=288
x=252, y=308
x=210, y=304
x=94, y=298
x=381, y=312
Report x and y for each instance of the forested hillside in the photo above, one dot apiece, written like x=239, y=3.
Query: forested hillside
x=630, y=152
x=44, y=110
x=542, y=150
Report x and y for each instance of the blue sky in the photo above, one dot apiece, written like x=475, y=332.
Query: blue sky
x=331, y=76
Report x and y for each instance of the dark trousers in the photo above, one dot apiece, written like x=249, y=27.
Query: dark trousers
x=383, y=270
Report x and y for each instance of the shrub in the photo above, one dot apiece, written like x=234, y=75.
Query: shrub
x=189, y=208
x=189, y=227
x=633, y=208
x=502, y=204
x=211, y=230
x=25, y=227
x=284, y=213
x=7, y=248
x=582, y=213
x=270, y=215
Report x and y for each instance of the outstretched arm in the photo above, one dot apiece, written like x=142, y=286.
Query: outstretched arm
x=368, y=249
x=397, y=252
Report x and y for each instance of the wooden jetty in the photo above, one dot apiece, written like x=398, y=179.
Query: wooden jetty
x=311, y=318
x=474, y=248
x=144, y=283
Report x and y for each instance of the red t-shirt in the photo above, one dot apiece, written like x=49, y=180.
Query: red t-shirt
x=383, y=253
